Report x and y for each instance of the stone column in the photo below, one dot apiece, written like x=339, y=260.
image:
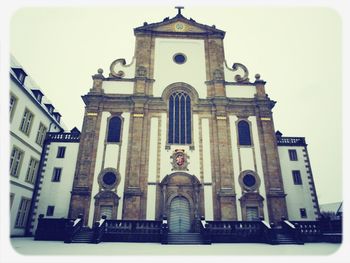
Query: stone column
x=137, y=167
x=275, y=196
x=222, y=163
x=85, y=167
x=196, y=200
x=84, y=174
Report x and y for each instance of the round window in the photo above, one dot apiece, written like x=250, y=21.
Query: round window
x=179, y=58
x=249, y=180
x=109, y=178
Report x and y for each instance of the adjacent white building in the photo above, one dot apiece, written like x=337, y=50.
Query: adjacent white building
x=56, y=175
x=31, y=117
x=297, y=177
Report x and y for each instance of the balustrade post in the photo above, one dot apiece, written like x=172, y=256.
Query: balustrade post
x=164, y=230
x=68, y=231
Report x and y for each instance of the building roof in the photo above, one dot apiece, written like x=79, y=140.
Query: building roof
x=180, y=25
x=336, y=207
x=289, y=141
x=31, y=89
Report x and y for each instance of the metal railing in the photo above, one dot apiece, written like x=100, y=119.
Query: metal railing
x=291, y=141
x=62, y=137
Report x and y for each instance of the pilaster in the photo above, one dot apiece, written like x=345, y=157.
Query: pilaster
x=222, y=163
x=214, y=55
x=144, y=54
x=84, y=173
x=137, y=166
x=275, y=196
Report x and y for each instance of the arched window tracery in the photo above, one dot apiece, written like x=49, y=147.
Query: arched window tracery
x=180, y=118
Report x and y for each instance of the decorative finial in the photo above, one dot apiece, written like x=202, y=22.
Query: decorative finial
x=179, y=9
x=99, y=74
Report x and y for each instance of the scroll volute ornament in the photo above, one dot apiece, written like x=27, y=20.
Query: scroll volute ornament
x=238, y=77
x=244, y=73
x=114, y=72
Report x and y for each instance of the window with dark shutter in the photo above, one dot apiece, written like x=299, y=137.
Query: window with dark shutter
x=297, y=177
x=293, y=155
x=244, y=133
x=114, y=128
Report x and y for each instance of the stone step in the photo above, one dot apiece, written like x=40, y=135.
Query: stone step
x=84, y=236
x=184, y=238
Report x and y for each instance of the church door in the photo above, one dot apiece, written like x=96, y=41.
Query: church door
x=179, y=220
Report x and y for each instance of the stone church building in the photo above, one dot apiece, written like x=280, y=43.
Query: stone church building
x=176, y=132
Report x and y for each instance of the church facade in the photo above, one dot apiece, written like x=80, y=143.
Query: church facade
x=177, y=133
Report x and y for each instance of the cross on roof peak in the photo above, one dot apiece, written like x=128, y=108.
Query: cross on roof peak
x=179, y=9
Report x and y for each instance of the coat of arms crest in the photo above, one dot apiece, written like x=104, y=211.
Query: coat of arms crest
x=179, y=160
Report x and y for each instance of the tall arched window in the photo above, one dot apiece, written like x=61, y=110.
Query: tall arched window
x=179, y=118
x=244, y=133
x=114, y=128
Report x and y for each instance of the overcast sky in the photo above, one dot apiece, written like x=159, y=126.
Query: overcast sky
x=296, y=50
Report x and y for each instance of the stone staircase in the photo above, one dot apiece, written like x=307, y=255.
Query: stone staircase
x=185, y=239
x=285, y=239
x=85, y=235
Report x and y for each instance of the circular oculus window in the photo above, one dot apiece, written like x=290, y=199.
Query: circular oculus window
x=179, y=58
x=109, y=178
x=249, y=180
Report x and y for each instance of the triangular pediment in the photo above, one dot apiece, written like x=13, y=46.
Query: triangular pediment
x=179, y=25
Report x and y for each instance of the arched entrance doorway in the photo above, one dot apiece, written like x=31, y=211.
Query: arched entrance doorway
x=181, y=202
x=179, y=215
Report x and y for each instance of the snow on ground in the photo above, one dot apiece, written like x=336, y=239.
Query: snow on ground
x=27, y=246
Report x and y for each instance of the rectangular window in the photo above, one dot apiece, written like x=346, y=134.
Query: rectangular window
x=13, y=103
x=12, y=197
x=40, y=137
x=50, y=210
x=15, y=161
x=32, y=170
x=293, y=155
x=303, y=213
x=23, y=211
x=61, y=151
x=252, y=213
x=56, y=177
x=297, y=177
x=26, y=122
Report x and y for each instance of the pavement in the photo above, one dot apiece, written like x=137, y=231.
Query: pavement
x=29, y=247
